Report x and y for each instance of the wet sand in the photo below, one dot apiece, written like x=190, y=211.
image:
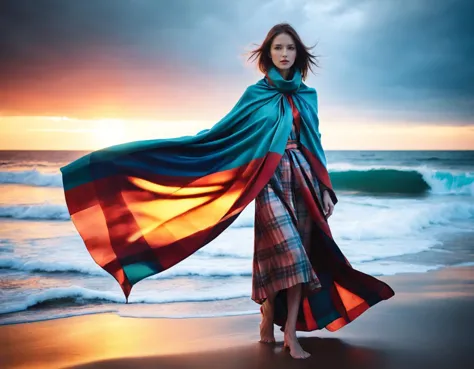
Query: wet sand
x=429, y=323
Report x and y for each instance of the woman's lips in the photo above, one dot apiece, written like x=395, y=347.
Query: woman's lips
x=285, y=61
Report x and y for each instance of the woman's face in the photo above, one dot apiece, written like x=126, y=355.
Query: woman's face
x=283, y=48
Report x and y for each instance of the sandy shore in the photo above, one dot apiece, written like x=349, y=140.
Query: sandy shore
x=428, y=324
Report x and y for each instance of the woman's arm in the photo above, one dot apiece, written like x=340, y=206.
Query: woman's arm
x=331, y=192
x=329, y=199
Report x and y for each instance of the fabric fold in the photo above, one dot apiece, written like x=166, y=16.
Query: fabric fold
x=144, y=206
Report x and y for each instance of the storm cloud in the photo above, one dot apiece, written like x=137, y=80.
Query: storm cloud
x=408, y=59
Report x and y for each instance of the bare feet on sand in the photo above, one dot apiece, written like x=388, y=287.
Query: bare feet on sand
x=296, y=351
x=266, y=326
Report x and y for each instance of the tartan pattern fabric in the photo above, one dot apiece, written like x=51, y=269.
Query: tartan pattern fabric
x=293, y=244
x=283, y=227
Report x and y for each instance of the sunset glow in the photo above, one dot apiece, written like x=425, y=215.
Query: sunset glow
x=62, y=133
x=109, y=132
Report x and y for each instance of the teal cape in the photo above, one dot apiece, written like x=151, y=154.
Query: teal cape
x=144, y=206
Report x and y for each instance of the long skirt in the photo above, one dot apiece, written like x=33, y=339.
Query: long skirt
x=293, y=247
x=283, y=228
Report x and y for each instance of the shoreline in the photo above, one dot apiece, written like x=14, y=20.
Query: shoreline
x=427, y=322
x=256, y=311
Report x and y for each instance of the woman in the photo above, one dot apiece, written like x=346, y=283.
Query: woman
x=144, y=206
x=282, y=221
x=286, y=264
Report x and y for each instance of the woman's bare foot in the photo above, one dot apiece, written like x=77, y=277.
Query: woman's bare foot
x=266, y=326
x=296, y=351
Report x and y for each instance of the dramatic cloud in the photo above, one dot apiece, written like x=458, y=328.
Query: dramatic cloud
x=407, y=54
x=406, y=59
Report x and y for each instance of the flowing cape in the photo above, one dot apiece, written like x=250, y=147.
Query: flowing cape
x=144, y=206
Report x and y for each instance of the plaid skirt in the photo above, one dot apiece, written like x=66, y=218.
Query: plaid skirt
x=283, y=228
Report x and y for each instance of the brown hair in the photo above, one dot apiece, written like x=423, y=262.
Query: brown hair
x=304, y=59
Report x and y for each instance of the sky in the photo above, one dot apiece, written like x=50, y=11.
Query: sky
x=394, y=74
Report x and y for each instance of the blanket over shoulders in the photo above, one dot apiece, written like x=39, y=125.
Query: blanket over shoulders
x=144, y=206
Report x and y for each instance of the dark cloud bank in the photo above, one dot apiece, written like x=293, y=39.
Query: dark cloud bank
x=413, y=57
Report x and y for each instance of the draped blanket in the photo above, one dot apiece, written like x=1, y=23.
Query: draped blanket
x=144, y=206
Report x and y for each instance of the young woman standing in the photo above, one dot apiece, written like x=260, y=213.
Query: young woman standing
x=285, y=234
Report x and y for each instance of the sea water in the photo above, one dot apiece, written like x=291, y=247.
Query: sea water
x=398, y=212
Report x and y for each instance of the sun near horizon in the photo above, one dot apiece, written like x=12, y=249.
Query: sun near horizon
x=63, y=133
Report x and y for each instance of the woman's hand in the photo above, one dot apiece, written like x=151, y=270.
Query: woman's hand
x=328, y=206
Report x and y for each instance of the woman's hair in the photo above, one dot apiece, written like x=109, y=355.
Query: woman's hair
x=304, y=59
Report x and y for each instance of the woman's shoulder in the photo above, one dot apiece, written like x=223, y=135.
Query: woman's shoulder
x=305, y=88
x=308, y=93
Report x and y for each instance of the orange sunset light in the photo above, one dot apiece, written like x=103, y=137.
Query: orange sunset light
x=63, y=133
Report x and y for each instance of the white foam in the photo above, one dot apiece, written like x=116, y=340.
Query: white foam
x=367, y=218
x=32, y=177
x=448, y=182
x=60, y=293
x=380, y=267
x=43, y=211
x=42, y=316
x=37, y=265
x=208, y=267
x=84, y=295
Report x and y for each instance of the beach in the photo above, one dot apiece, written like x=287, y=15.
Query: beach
x=427, y=324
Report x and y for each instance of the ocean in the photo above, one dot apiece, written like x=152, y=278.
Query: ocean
x=398, y=212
